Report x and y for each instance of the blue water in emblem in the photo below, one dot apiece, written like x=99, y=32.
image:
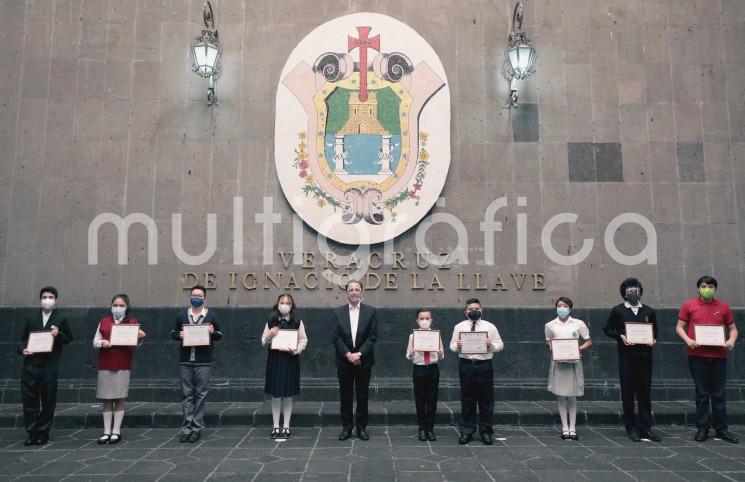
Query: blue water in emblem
x=362, y=152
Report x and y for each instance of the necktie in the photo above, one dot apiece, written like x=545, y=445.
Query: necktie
x=427, y=359
x=473, y=326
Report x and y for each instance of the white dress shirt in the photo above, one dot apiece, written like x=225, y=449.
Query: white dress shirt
x=635, y=309
x=418, y=356
x=354, y=320
x=481, y=325
x=45, y=318
x=195, y=321
x=571, y=328
x=302, y=338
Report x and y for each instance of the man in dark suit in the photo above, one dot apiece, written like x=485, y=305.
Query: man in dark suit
x=39, y=375
x=355, y=333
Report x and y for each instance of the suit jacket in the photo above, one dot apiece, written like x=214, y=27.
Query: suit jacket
x=367, y=334
x=34, y=322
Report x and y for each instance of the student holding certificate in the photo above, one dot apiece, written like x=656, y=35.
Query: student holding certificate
x=702, y=322
x=195, y=364
x=39, y=374
x=283, y=361
x=566, y=378
x=114, y=366
x=425, y=352
x=476, y=340
x=634, y=327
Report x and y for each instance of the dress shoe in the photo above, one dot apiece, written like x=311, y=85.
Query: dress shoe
x=115, y=439
x=194, y=437
x=104, y=439
x=564, y=435
x=362, y=433
x=431, y=435
x=276, y=433
x=726, y=436
x=701, y=436
x=487, y=438
x=285, y=434
x=345, y=434
x=42, y=441
x=635, y=436
x=184, y=437
x=650, y=435
x=573, y=436
x=465, y=438
x=29, y=441
x=422, y=435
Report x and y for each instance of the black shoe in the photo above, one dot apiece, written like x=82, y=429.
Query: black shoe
x=465, y=438
x=115, y=438
x=184, y=437
x=345, y=434
x=564, y=435
x=650, y=435
x=701, y=436
x=431, y=435
x=42, y=441
x=573, y=436
x=104, y=439
x=422, y=435
x=362, y=433
x=275, y=433
x=635, y=436
x=487, y=438
x=285, y=433
x=31, y=440
x=194, y=437
x=726, y=436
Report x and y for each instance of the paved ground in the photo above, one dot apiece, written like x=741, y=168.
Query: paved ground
x=393, y=453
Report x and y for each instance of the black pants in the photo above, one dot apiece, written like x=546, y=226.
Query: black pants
x=353, y=378
x=426, y=385
x=476, y=388
x=635, y=374
x=710, y=377
x=39, y=395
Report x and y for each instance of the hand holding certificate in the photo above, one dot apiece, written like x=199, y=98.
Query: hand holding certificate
x=124, y=335
x=709, y=335
x=427, y=340
x=565, y=349
x=474, y=342
x=40, y=342
x=196, y=335
x=639, y=334
x=285, y=340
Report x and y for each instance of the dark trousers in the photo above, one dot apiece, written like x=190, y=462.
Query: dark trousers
x=39, y=395
x=195, y=385
x=710, y=377
x=353, y=378
x=426, y=386
x=476, y=389
x=635, y=374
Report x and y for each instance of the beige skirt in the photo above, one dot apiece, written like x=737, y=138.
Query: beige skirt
x=112, y=384
x=566, y=379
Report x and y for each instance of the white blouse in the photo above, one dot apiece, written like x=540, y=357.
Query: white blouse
x=302, y=338
x=571, y=328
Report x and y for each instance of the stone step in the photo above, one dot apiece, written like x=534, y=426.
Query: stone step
x=396, y=412
x=381, y=390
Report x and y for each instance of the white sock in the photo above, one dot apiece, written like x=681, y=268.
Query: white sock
x=572, y=413
x=562, y=402
x=276, y=407
x=107, y=422
x=118, y=417
x=287, y=411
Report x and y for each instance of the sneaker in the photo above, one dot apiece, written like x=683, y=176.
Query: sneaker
x=650, y=435
x=726, y=436
x=701, y=436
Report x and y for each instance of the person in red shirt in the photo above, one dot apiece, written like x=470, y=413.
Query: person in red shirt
x=708, y=364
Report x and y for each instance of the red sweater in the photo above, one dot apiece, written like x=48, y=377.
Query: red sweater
x=115, y=357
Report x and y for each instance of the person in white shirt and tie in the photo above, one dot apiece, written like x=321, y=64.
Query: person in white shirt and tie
x=476, y=376
x=426, y=378
x=355, y=333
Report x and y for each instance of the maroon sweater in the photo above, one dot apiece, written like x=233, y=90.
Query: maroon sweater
x=115, y=357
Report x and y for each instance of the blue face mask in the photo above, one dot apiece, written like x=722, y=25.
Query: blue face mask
x=196, y=301
x=562, y=312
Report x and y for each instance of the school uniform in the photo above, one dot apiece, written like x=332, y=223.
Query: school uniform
x=114, y=363
x=476, y=379
x=566, y=378
x=39, y=373
x=426, y=378
x=195, y=366
x=634, y=364
x=283, y=368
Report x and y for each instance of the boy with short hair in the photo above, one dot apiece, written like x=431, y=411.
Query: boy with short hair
x=426, y=378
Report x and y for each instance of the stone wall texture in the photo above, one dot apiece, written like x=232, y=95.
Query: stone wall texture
x=636, y=106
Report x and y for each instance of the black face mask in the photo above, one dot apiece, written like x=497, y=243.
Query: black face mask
x=633, y=299
x=474, y=315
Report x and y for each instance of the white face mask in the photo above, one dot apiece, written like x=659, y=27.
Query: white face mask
x=424, y=325
x=47, y=304
x=284, y=309
x=118, y=312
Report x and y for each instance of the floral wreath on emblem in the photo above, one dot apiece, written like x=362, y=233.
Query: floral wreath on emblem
x=312, y=188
